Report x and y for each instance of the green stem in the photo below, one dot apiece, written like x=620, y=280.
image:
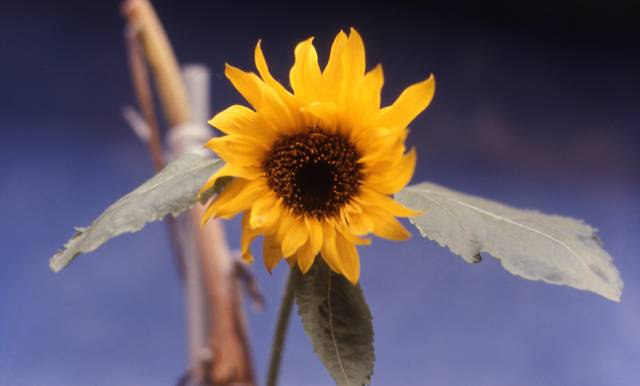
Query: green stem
x=281, y=328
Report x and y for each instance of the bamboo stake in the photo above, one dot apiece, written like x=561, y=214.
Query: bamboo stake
x=227, y=340
x=142, y=88
x=223, y=289
x=181, y=232
x=162, y=61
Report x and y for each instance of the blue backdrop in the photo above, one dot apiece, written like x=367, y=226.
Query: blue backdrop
x=536, y=106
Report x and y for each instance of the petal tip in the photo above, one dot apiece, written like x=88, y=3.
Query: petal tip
x=353, y=33
x=204, y=220
x=230, y=70
x=258, y=56
x=247, y=258
x=353, y=279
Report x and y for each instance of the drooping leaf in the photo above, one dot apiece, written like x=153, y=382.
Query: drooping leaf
x=172, y=190
x=535, y=246
x=336, y=317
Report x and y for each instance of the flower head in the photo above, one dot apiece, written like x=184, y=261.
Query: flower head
x=314, y=169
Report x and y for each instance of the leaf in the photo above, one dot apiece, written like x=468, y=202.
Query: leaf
x=535, y=246
x=336, y=317
x=172, y=190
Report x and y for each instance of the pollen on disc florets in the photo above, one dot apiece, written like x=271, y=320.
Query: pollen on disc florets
x=315, y=172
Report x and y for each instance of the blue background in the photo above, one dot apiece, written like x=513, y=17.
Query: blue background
x=536, y=106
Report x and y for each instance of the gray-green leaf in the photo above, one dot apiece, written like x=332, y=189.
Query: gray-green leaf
x=529, y=244
x=172, y=190
x=336, y=317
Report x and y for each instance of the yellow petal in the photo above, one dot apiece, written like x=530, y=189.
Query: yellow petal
x=270, y=253
x=243, y=121
x=369, y=197
x=329, y=251
x=350, y=237
x=262, y=97
x=365, y=101
x=296, y=236
x=356, y=56
x=360, y=224
x=232, y=170
x=352, y=69
x=413, y=100
x=305, y=73
x=266, y=212
x=378, y=163
x=237, y=150
x=325, y=114
x=247, y=237
x=379, y=144
x=396, y=178
x=285, y=222
x=349, y=258
x=305, y=257
x=263, y=70
x=315, y=234
x=353, y=207
x=332, y=74
x=248, y=85
x=231, y=201
x=371, y=87
x=231, y=190
x=387, y=226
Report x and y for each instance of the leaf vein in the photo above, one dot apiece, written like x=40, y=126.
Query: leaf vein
x=333, y=335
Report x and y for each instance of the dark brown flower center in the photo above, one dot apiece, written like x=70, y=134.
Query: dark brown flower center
x=315, y=172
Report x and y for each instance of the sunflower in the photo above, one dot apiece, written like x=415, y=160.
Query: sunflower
x=314, y=169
